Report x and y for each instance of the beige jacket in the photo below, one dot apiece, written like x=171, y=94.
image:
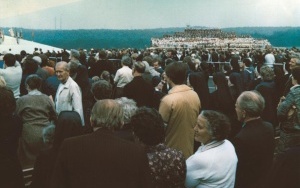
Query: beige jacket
x=179, y=110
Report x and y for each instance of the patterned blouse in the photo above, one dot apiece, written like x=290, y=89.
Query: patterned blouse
x=168, y=168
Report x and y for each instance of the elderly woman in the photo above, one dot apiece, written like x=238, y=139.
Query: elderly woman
x=214, y=163
x=36, y=111
x=254, y=144
x=288, y=113
x=167, y=165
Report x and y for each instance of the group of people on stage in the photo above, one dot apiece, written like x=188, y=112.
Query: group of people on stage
x=152, y=121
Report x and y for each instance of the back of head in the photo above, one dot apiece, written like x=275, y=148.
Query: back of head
x=30, y=66
x=126, y=60
x=247, y=62
x=177, y=72
x=129, y=108
x=107, y=114
x=34, y=82
x=148, y=126
x=102, y=89
x=252, y=103
x=75, y=53
x=140, y=66
x=267, y=73
x=68, y=125
x=9, y=59
x=149, y=60
x=102, y=54
x=8, y=102
x=44, y=60
x=235, y=65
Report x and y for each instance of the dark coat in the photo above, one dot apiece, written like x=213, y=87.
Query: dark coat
x=101, y=159
x=140, y=91
x=254, y=146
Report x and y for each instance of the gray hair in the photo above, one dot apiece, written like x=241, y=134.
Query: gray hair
x=267, y=73
x=126, y=60
x=218, y=124
x=252, y=102
x=129, y=108
x=65, y=64
x=48, y=133
x=107, y=113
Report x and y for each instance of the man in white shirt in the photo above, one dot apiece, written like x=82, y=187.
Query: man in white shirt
x=12, y=74
x=68, y=95
x=123, y=76
x=269, y=59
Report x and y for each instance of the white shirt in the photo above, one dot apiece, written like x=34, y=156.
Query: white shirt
x=123, y=76
x=69, y=98
x=213, y=165
x=13, y=76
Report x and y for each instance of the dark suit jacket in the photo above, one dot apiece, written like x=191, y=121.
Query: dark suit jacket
x=100, y=159
x=140, y=91
x=254, y=146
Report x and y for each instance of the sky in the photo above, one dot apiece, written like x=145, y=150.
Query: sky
x=146, y=14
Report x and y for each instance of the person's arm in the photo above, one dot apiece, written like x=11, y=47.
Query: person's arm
x=165, y=111
x=77, y=102
x=117, y=77
x=197, y=170
x=284, y=106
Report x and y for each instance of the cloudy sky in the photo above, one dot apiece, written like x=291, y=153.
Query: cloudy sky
x=141, y=14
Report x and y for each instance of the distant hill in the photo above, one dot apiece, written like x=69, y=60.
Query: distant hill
x=106, y=38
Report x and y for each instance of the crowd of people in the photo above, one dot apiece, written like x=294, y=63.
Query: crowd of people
x=149, y=119
x=208, y=38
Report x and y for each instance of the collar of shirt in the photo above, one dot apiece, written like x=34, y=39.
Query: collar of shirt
x=294, y=86
x=210, y=145
x=34, y=92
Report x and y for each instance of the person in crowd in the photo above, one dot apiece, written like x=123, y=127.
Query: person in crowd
x=288, y=113
x=285, y=171
x=129, y=108
x=168, y=168
x=236, y=85
x=10, y=132
x=102, y=89
x=268, y=90
x=40, y=71
x=222, y=101
x=199, y=83
x=36, y=111
x=123, y=76
x=45, y=65
x=293, y=63
x=179, y=110
x=68, y=125
x=157, y=65
x=254, y=144
x=29, y=67
x=12, y=73
x=102, y=64
x=79, y=74
x=269, y=58
x=138, y=89
x=247, y=74
x=68, y=96
x=101, y=159
x=214, y=163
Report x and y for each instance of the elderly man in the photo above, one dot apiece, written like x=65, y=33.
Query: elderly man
x=68, y=95
x=254, y=144
x=123, y=76
x=294, y=62
x=179, y=110
x=101, y=159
